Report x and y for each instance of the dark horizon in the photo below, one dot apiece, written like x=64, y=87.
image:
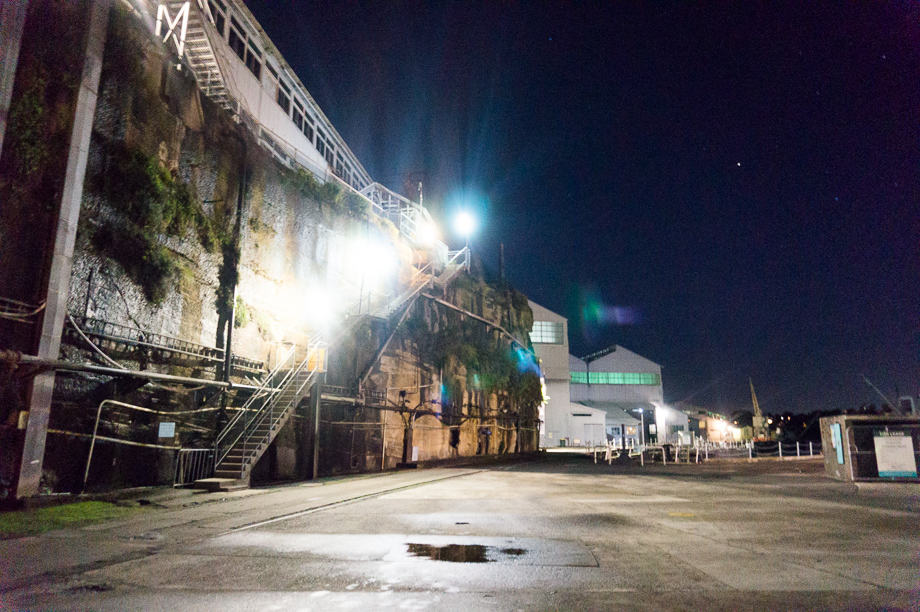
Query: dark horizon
x=731, y=190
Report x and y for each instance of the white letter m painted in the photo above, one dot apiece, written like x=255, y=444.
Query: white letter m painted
x=163, y=15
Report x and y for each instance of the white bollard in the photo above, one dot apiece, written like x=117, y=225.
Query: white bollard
x=797, y=453
x=779, y=445
x=810, y=450
x=751, y=451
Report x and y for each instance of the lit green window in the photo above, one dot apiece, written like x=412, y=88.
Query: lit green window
x=616, y=378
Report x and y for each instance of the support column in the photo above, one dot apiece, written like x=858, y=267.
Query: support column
x=315, y=396
x=58, y=289
x=12, y=21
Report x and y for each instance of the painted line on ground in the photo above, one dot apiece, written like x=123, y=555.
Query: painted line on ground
x=343, y=502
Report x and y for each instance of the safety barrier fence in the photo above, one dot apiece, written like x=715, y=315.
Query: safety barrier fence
x=704, y=452
x=193, y=464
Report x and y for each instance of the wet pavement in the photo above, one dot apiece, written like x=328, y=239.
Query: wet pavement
x=554, y=534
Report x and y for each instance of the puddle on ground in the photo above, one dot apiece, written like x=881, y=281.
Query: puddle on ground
x=463, y=553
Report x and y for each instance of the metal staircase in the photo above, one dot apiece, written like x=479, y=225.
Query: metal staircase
x=456, y=262
x=248, y=435
x=200, y=55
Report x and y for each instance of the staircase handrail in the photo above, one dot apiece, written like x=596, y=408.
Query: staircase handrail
x=268, y=409
x=264, y=389
x=414, y=287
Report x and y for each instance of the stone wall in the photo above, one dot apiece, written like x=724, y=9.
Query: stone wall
x=186, y=224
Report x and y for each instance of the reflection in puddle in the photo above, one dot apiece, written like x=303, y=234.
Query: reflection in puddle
x=463, y=553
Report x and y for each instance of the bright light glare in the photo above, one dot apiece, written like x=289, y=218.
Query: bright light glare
x=369, y=262
x=465, y=223
x=427, y=232
x=319, y=307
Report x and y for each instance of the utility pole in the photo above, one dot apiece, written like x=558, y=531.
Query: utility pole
x=757, y=419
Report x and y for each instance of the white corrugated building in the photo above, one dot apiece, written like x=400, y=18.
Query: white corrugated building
x=564, y=423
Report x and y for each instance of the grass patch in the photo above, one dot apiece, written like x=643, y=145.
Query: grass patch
x=21, y=523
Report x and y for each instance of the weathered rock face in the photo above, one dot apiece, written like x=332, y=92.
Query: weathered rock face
x=458, y=381
x=188, y=224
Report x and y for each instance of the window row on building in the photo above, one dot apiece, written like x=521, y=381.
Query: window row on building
x=615, y=378
x=286, y=96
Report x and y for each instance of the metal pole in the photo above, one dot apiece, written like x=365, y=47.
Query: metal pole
x=810, y=450
x=642, y=417
x=797, y=453
x=383, y=448
x=779, y=445
x=92, y=444
x=750, y=451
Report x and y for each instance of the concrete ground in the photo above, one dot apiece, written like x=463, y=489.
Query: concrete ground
x=559, y=533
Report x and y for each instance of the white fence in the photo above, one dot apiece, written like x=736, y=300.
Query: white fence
x=707, y=450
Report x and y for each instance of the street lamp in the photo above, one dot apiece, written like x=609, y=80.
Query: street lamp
x=465, y=224
x=641, y=428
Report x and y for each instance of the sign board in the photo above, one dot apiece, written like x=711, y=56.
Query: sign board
x=414, y=454
x=894, y=454
x=167, y=430
x=837, y=441
x=652, y=428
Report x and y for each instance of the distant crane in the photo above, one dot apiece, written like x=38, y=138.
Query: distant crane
x=757, y=420
x=905, y=403
x=877, y=390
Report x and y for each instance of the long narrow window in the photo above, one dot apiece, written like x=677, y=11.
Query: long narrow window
x=320, y=143
x=218, y=12
x=616, y=378
x=237, y=40
x=298, y=114
x=284, y=97
x=254, y=60
x=308, y=127
x=250, y=55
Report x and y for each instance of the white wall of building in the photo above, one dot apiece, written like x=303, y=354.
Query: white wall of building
x=621, y=360
x=575, y=425
x=554, y=363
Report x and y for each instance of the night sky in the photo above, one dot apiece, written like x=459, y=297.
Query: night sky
x=730, y=190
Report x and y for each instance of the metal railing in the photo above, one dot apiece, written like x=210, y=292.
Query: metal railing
x=132, y=336
x=240, y=422
x=193, y=464
x=259, y=431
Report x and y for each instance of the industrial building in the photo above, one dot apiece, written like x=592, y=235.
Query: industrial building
x=564, y=423
x=606, y=396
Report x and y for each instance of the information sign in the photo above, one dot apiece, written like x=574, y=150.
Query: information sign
x=894, y=454
x=167, y=430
